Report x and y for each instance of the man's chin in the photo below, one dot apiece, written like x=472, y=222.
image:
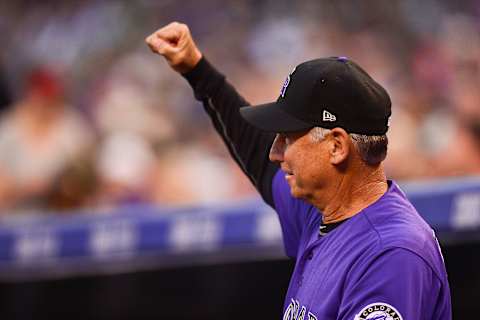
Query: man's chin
x=295, y=190
x=296, y=193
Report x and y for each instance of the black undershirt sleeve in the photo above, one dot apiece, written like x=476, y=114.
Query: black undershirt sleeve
x=248, y=146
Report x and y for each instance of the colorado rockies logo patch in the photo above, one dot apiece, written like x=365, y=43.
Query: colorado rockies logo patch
x=379, y=311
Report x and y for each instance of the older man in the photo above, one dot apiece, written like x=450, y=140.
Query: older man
x=361, y=249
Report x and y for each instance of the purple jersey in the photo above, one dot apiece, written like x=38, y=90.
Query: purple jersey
x=384, y=263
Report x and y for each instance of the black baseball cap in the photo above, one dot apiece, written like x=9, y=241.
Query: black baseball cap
x=328, y=93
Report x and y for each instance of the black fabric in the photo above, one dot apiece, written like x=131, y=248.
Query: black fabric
x=328, y=93
x=327, y=227
x=248, y=145
x=262, y=115
x=5, y=97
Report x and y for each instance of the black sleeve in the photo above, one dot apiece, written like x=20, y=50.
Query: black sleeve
x=5, y=98
x=248, y=146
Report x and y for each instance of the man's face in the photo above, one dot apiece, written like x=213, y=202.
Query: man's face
x=304, y=162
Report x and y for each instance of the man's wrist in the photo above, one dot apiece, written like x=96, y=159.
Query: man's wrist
x=203, y=78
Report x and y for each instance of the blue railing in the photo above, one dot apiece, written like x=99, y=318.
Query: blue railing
x=146, y=236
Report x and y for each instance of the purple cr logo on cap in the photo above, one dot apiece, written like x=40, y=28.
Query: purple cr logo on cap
x=286, y=83
x=342, y=59
x=284, y=87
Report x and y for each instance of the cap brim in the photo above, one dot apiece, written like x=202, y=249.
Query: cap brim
x=270, y=117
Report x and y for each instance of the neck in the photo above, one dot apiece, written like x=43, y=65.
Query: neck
x=351, y=194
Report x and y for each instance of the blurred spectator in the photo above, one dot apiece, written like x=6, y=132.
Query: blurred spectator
x=39, y=137
x=75, y=187
x=125, y=165
x=131, y=122
x=196, y=174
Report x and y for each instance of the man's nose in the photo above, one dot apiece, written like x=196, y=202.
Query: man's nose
x=277, y=150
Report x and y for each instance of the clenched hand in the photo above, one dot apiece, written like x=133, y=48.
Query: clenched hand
x=175, y=43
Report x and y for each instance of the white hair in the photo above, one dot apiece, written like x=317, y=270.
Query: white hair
x=372, y=149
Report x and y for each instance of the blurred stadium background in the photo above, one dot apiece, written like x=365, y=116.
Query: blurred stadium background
x=118, y=201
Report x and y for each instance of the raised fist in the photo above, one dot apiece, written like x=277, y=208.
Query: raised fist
x=175, y=43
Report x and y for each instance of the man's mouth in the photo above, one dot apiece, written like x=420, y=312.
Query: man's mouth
x=287, y=173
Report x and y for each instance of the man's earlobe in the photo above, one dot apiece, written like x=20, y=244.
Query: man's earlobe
x=340, y=147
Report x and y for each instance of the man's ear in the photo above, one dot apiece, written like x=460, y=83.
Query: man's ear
x=339, y=147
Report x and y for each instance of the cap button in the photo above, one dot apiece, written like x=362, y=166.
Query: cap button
x=342, y=59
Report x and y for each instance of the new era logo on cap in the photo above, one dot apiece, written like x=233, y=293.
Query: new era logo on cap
x=327, y=116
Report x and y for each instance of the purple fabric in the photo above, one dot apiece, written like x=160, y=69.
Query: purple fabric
x=383, y=263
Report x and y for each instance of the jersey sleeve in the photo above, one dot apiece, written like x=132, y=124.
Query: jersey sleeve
x=248, y=146
x=396, y=285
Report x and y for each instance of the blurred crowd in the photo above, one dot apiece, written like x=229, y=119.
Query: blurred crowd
x=91, y=119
